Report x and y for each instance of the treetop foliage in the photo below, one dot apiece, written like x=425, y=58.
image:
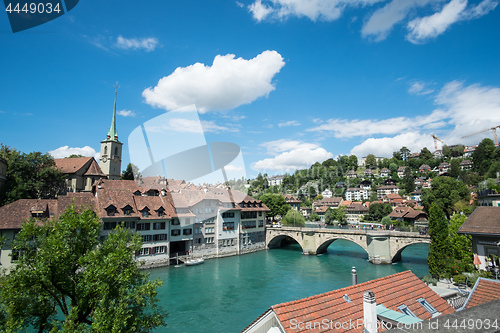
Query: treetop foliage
x=67, y=280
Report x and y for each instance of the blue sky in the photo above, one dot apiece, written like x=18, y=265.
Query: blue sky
x=290, y=81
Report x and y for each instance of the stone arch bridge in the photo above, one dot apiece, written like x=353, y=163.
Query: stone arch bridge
x=383, y=247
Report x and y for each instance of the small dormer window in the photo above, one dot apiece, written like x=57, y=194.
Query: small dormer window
x=137, y=193
x=347, y=298
x=160, y=211
x=145, y=212
x=127, y=210
x=111, y=211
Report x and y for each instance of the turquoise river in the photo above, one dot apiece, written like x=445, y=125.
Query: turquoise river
x=227, y=294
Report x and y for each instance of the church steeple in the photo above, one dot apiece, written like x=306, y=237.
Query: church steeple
x=111, y=149
x=113, y=134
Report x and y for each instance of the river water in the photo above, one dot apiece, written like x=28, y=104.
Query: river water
x=227, y=294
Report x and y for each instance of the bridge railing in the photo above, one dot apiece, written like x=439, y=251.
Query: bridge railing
x=349, y=231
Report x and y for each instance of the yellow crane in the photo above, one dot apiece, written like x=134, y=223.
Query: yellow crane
x=494, y=129
x=436, y=139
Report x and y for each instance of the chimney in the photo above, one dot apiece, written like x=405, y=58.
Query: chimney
x=354, y=276
x=370, y=312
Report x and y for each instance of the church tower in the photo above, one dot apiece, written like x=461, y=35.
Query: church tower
x=111, y=150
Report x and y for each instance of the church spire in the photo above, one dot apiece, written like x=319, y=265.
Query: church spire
x=113, y=134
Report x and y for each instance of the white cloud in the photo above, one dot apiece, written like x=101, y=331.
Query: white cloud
x=227, y=84
x=291, y=155
x=381, y=22
x=424, y=28
x=66, y=151
x=385, y=146
x=419, y=88
x=289, y=123
x=420, y=29
x=467, y=109
x=149, y=44
x=344, y=128
x=126, y=113
x=327, y=10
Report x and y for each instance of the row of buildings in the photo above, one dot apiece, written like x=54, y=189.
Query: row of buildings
x=174, y=218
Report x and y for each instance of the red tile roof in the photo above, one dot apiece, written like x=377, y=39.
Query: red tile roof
x=484, y=291
x=391, y=291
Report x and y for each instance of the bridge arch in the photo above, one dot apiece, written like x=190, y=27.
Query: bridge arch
x=396, y=253
x=329, y=239
x=276, y=240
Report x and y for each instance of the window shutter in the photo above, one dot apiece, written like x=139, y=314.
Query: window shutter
x=152, y=250
x=147, y=225
x=162, y=225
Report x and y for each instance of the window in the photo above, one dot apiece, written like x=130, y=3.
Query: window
x=197, y=231
x=129, y=224
x=111, y=211
x=175, y=232
x=175, y=222
x=116, y=151
x=145, y=212
x=127, y=210
x=428, y=307
x=109, y=225
x=159, y=237
x=143, y=226
x=227, y=215
x=161, y=211
x=158, y=249
x=159, y=226
x=228, y=226
x=248, y=224
x=209, y=230
x=403, y=308
x=105, y=150
x=209, y=240
x=187, y=232
x=146, y=238
x=261, y=223
x=144, y=251
x=249, y=215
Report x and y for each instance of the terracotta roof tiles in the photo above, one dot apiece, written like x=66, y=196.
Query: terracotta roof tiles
x=484, y=291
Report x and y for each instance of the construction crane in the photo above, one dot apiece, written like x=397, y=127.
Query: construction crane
x=436, y=139
x=494, y=129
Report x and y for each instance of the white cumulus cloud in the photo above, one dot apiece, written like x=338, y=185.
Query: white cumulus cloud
x=66, y=151
x=291, y=155
x=385, y=146
x=428, y=27
x=126, y=113
x=228, y=83
x=327, y=10
x=148, y=44
x=381, y=22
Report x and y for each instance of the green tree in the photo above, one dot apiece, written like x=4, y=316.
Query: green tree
x=276, y=203
x=483, y=156
x=446, y=192
x=405, y=153
x=371, y=161
x=336, y=215
x=439, y=249
x=378, y=210
x=314, y=217
x=75, y=156
x=386, y=220
x=408, y=181
x=32, y=176
x=128, y=173
x=461, y=246
x=454, y=168
x=65, y=280
x=425, y=154
x=293, y=219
